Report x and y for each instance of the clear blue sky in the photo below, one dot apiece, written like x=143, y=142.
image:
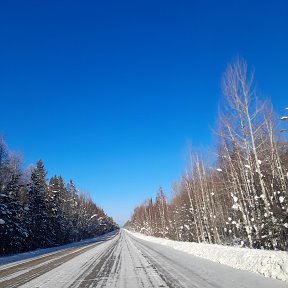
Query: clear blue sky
x=110, y=93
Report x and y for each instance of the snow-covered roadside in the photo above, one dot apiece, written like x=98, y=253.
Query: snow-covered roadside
x=272, y=264
x=46, y=251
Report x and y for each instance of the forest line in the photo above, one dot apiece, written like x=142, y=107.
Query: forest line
x=242, y=199
x=36, y=213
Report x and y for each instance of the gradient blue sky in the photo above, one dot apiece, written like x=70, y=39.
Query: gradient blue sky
x=110, y=93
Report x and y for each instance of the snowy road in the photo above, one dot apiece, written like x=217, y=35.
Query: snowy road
x=125, y=261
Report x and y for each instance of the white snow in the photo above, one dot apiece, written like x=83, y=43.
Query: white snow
x=219, y=169
x=272, y=264
x=235, y=206
x=2, y=222
x=69, y=271
x=39, y=252
x=281, y=199
x=131, y=261
x=127, y=261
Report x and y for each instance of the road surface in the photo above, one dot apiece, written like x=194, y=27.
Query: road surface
x=125, y=261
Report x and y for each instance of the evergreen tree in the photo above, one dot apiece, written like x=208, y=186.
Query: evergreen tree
x=13, y=232
x=71, y=211
x=38, y=208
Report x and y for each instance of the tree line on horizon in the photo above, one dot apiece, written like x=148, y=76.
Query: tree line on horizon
x=36, y=213
x=241, y=199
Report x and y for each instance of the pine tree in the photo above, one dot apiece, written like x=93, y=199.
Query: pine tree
x=55, y=202
x=12, y=229
x=13, y=233
x=70, y=211
x=39, y=234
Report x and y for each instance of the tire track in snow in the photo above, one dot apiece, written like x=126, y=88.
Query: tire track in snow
x=170, y=276
x=120, y=265
x=34, y=268
x=145, y=267
x=132, y=269
x=125, y=261
x=93, y=273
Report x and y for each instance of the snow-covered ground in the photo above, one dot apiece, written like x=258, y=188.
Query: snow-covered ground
x=124, y=261
x=272, y=264
x=47, y=251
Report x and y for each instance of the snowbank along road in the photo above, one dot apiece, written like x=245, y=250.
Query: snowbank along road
x=125, y=261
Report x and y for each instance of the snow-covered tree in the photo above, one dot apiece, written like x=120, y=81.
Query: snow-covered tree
x=38, y=218
x=243, y=198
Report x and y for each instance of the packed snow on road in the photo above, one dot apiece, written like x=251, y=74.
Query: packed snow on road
x=126, y=259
